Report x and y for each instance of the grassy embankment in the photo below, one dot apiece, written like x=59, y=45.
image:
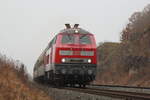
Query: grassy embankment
x=14, y=84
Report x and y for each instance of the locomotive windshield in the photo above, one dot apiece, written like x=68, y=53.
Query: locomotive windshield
x=68, y=39
x=71, y=39
x=85, y=39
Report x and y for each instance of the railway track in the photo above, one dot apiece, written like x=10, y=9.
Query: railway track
x=113, y=93
x=104, y=91
x=122, y=88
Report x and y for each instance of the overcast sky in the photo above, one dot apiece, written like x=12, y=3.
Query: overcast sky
x=26, y=26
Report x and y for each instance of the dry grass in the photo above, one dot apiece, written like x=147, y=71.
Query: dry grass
x=15, y=86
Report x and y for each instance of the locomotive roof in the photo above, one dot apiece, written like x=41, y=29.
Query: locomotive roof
x=74, y=30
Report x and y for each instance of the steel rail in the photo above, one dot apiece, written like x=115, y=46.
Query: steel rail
x=121, y=86
x=112, y=93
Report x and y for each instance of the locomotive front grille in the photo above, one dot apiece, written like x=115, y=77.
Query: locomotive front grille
x=76, y=60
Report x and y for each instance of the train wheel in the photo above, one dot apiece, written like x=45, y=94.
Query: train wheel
x=84, y=85
x=80, y=85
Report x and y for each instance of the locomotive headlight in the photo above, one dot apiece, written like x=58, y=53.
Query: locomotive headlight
x=89, y=60
x=76, y=31
x=90, y=72
x=63, y=60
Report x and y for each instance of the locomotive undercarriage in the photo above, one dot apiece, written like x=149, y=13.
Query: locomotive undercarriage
x=71, y=74
x=81, y=80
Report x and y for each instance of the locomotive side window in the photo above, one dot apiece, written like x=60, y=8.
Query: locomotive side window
x=53, y=41
x=68, y=39
x=85, y=39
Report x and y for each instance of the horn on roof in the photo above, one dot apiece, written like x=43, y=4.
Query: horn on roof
x=76, y=25
x=67, y=25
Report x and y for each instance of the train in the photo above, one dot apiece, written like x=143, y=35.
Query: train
x=69, y=59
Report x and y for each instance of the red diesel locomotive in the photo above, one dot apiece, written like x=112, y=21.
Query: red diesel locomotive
x=70, y=58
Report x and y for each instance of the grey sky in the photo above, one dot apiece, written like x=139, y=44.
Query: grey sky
x=26, y=26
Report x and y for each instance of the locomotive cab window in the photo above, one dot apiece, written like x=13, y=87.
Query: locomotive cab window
x=85, y=39
x=68, y=39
